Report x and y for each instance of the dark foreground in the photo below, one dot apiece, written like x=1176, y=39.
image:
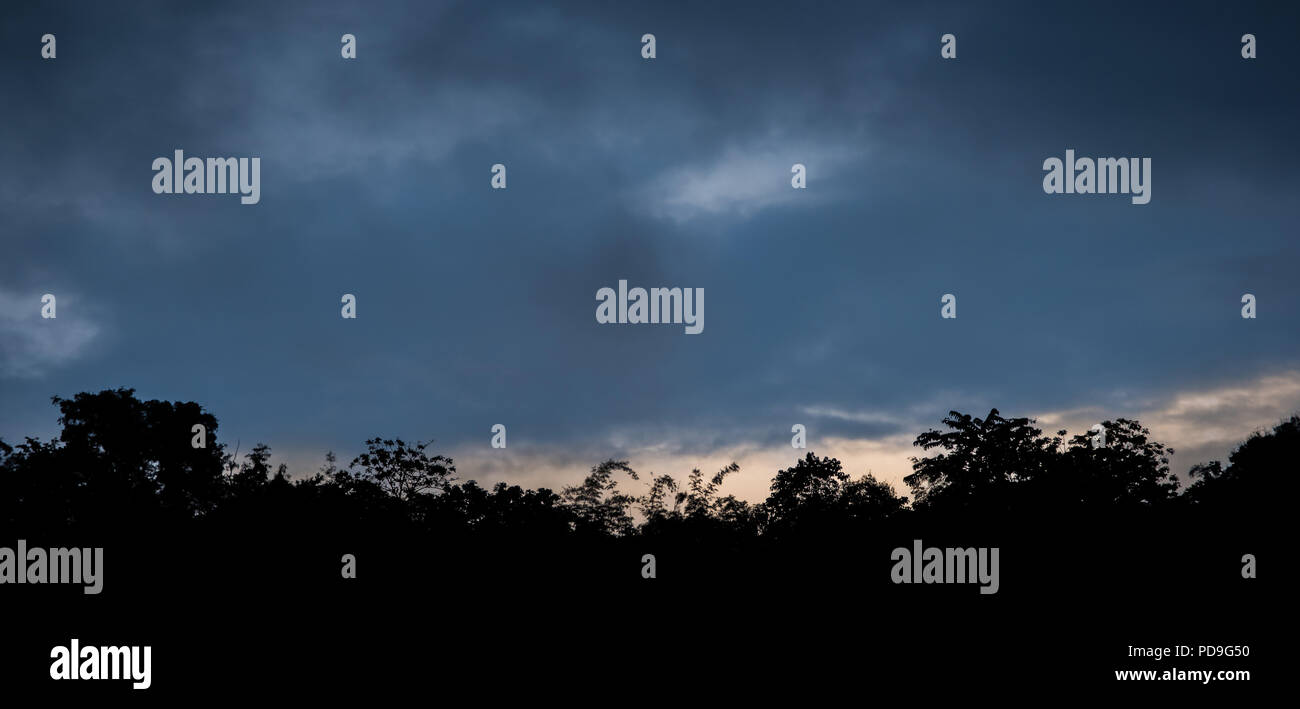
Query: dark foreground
x=245, y=615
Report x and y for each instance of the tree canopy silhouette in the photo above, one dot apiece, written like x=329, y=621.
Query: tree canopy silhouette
x=816, y=493
x=1001, y=464
x=116, y=454
x=403, y=471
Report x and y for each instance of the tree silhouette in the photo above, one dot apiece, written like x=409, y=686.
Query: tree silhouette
x=239, y=542
x=403, y=471
x=1260, y=472
x=982, y=460
x=816, y=494
x=654, y=504
x=810, y=488
x=505, y=510
x=255, y=474
x=697, y=510
x=117, y=455
x=1130, y=469
x=116, y=451
x=597, y=505
x=35, y=489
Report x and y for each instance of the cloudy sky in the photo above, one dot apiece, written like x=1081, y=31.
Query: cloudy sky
x=476, y=306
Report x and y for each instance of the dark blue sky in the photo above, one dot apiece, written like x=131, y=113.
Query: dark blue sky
x=476, y=306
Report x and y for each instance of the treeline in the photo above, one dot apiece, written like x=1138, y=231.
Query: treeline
x=119, y=458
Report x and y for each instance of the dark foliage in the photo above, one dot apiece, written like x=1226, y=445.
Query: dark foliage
x=117, y=453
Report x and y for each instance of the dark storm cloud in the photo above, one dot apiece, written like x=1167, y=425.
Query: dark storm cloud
x=476, y=306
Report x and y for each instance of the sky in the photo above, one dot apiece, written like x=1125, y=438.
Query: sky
x=476, y=306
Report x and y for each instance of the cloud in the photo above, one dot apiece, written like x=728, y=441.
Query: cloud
x=742, y=181
x=31, y=345
x=1199, y=424
x=863, y=416
x=923, y=178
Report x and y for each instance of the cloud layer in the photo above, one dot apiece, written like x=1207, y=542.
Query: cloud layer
x=476, y=306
